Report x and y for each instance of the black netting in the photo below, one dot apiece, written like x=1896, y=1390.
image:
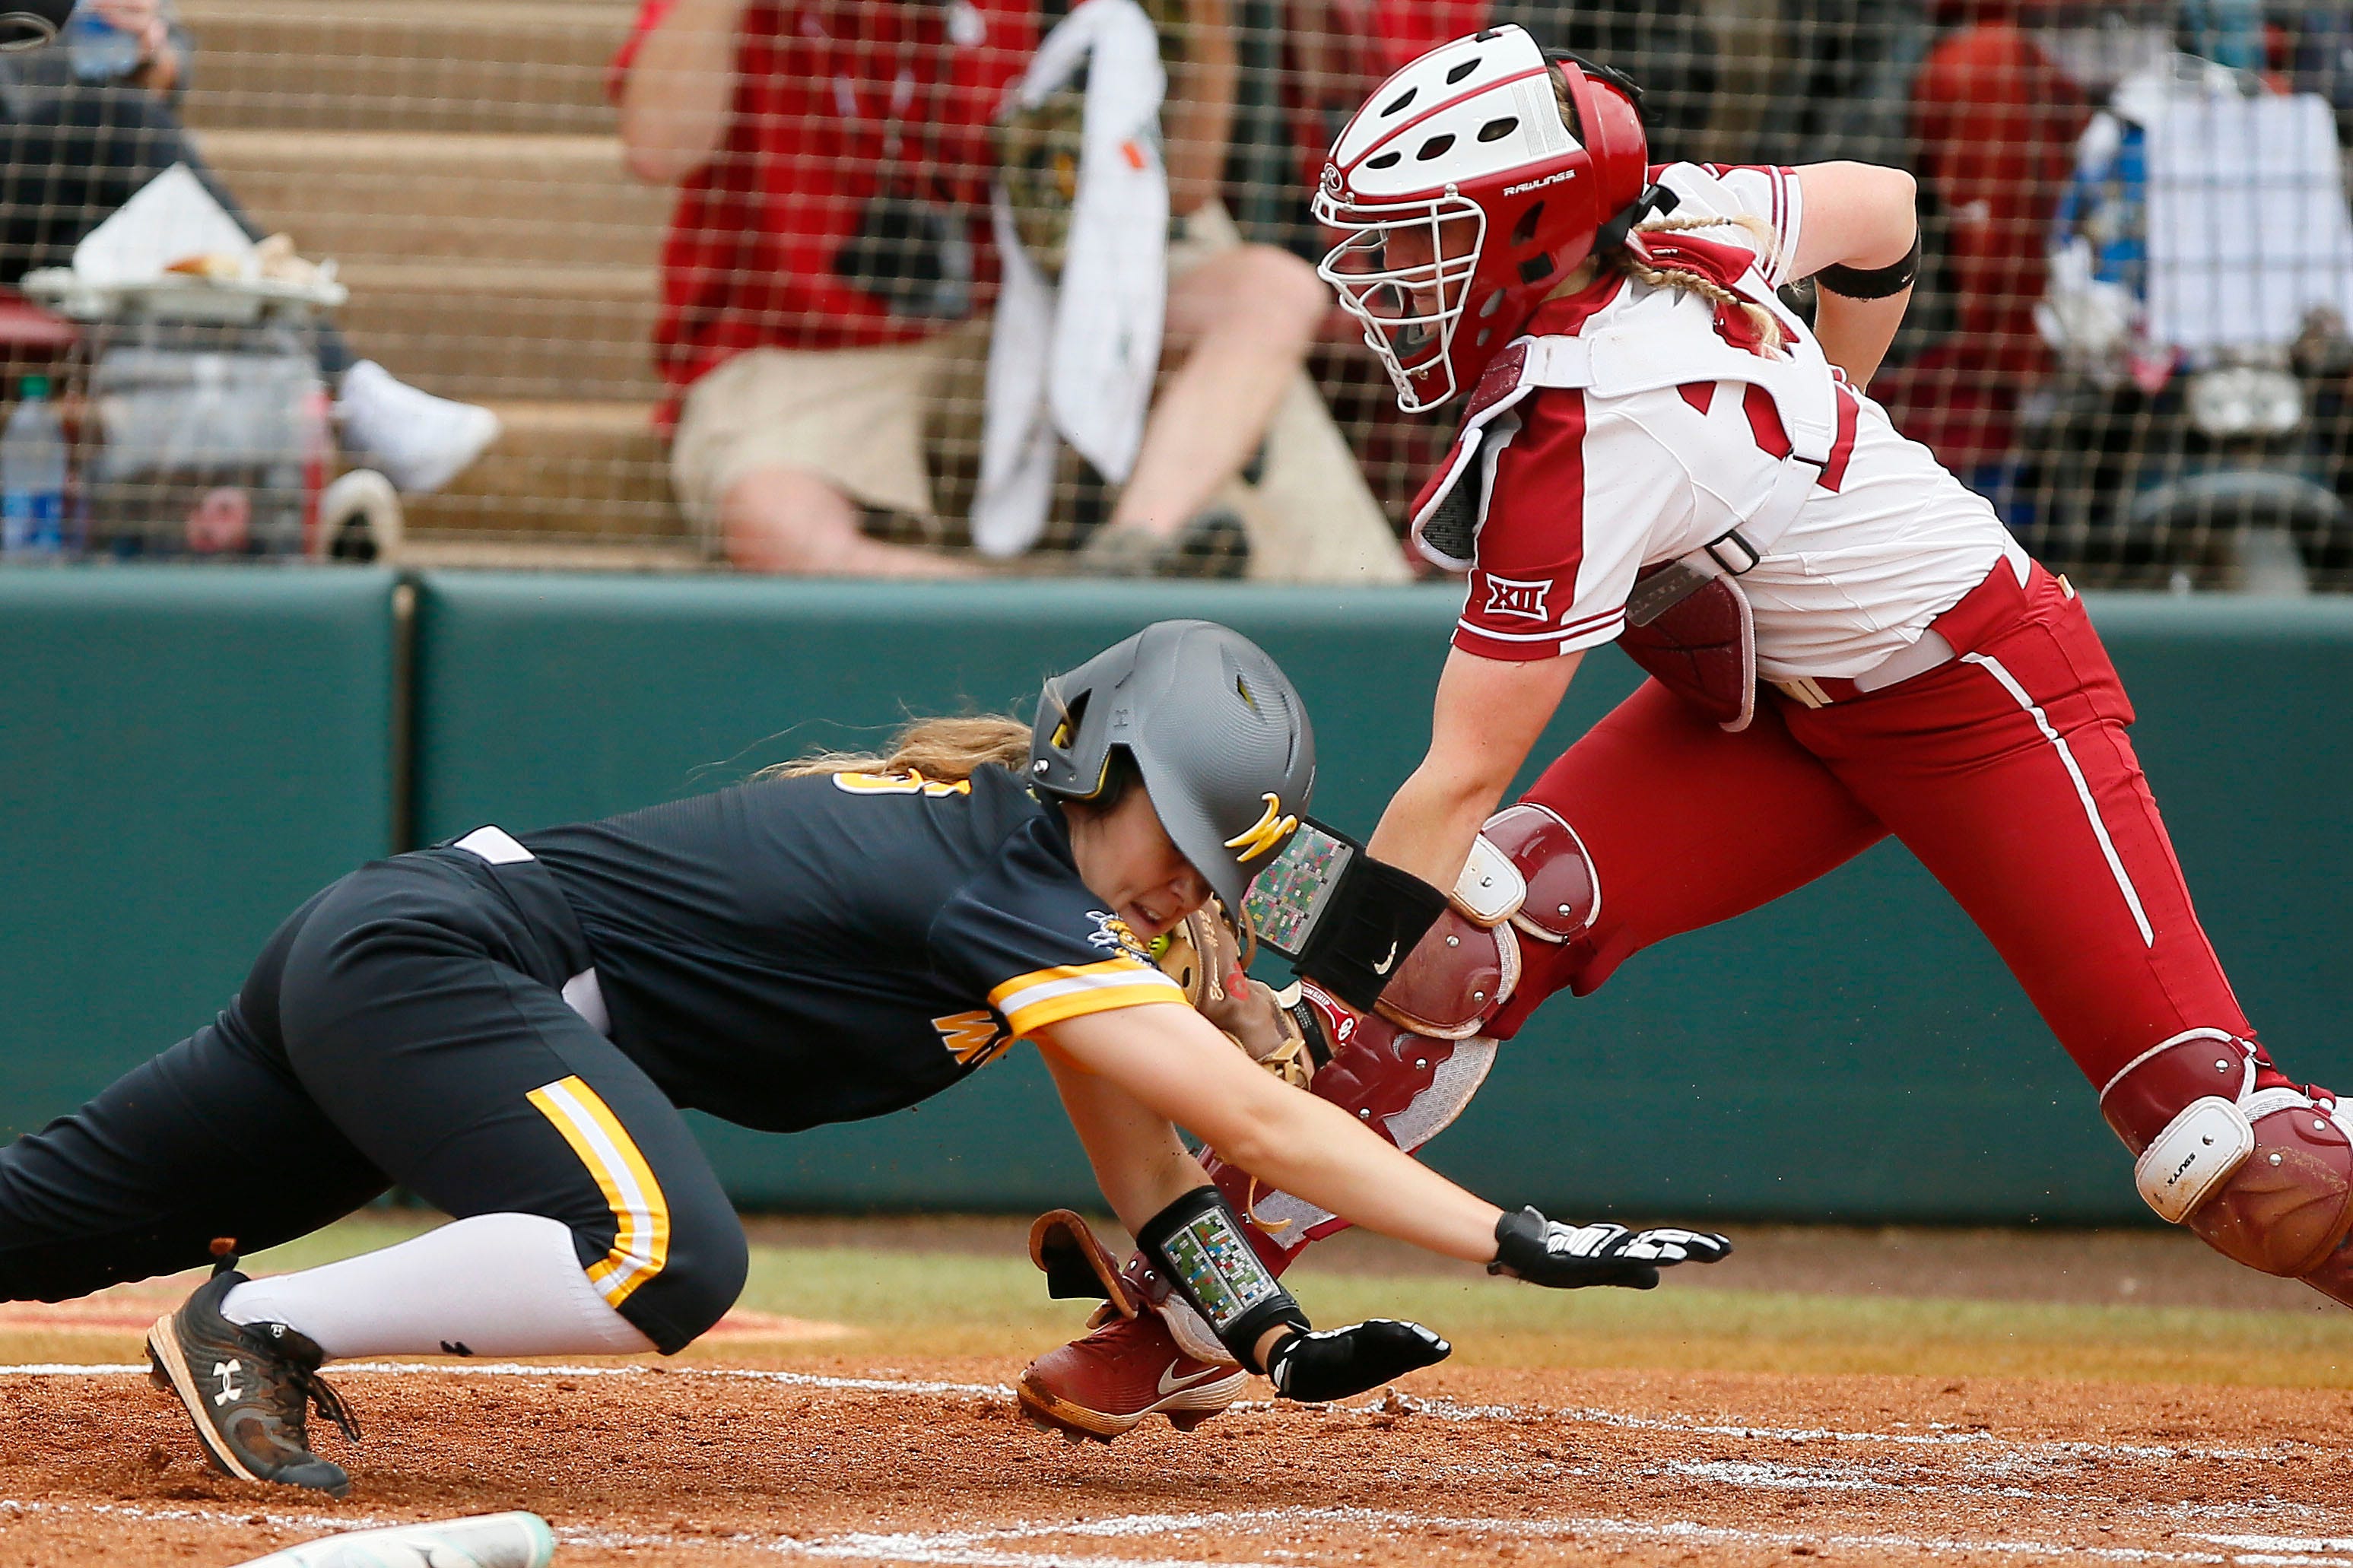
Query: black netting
x=2129, y=330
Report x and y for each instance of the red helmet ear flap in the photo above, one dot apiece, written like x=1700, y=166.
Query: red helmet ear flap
x=1609, y=124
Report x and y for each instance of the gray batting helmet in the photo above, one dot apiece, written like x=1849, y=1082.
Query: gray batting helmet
x=1216, y=728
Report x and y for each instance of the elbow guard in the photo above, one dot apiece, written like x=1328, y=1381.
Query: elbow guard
x=1199, y=1245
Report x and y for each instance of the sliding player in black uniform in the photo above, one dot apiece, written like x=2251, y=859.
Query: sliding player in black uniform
x=510, y=1026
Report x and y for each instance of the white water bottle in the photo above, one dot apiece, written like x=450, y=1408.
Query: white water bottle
x=101, y=51
x=485, y=1541
x=33, y=475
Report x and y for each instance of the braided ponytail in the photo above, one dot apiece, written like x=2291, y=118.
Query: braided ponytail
x=1766, y=324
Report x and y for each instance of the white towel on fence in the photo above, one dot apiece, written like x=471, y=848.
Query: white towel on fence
x=1079, y=360
x=2248, y=232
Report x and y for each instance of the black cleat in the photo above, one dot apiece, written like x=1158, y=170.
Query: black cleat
x=248, y=1388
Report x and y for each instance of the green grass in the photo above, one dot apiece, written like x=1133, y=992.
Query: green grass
x=955, y=1304
x=912, y=1304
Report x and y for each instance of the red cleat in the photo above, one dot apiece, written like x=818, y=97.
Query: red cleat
x=1105, y=1383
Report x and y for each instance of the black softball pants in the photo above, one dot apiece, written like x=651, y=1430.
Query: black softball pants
x=407, y=1025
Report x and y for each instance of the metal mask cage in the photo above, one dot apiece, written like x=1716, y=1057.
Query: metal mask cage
x=1410, y=314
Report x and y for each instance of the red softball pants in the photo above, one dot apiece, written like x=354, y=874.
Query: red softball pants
x=2007, y=772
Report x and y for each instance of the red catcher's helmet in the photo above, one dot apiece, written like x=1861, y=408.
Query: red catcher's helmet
x=1462, y=199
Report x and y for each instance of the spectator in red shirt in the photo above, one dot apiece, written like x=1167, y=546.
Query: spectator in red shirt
x=1995, y=120
x=803, y=378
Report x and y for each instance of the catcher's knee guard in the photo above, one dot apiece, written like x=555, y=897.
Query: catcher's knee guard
x=1409, y=1069
x=1528, y=876
x=1405, y=1087
x=2259, y=1169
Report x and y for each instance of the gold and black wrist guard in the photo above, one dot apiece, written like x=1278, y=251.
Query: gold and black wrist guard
x=1198, y=1245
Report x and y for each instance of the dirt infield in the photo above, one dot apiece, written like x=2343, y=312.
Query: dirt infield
x=928, y=1464
x=2107, y=1399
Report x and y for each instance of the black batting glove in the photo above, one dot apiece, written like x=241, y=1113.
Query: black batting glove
x=1335, y=1364
x=1567, y=1256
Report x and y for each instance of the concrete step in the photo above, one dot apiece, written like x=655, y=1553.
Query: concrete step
x=507, y=332
x=436, y=550
x=576, y=472
x=400, y=195
x=426, y=65
x=481, y=267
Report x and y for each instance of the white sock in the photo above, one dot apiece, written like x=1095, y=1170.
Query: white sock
x=496, y=1285
x=420, y=442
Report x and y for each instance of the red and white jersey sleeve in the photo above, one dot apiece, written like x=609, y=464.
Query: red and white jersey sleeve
x=1581, y=498
x=1770, y=192
x=1592, y=489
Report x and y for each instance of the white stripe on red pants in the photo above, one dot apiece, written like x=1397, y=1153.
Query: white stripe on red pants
x=2008, y=773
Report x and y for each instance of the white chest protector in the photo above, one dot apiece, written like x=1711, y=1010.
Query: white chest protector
x=1621, y=361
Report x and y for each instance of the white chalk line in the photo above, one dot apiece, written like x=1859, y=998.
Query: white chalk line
x=949, y=1546
x=995, y=1547
x=1397, y=1402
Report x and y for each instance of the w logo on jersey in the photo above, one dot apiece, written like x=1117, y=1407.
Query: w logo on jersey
x=1511, y=596
x=973, y=1039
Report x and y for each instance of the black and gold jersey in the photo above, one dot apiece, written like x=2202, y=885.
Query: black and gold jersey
x=792, y=952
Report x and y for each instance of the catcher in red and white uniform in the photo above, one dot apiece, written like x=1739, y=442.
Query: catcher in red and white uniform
x=1844, y=642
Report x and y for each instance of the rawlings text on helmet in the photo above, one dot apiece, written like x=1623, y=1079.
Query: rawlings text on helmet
x=1539, y=184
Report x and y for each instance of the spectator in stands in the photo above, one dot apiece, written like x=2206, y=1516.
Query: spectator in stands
x=1996, y=119
x=811, y=137
x=79, y=134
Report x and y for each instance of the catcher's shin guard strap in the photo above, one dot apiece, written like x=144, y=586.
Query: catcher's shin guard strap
x=1198, y=1245
x=1378, y=914
x=1301, y=1002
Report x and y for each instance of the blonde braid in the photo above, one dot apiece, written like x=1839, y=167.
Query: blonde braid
x=1768, y=248
x=1767, y=325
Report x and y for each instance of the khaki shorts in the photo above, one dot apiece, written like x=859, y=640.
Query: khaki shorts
x=854, y=417
x=869, y=421
x=898, y=430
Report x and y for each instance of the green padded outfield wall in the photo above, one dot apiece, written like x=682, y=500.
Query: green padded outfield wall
x=1852, y=1051
x=185, y=755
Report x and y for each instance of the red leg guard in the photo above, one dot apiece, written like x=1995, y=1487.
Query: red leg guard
x=2334, y=1278
x=1454, y=980
x=2291, y=1203
x=1563, y=895
x=1403, y=1085
x=2286, y=1207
